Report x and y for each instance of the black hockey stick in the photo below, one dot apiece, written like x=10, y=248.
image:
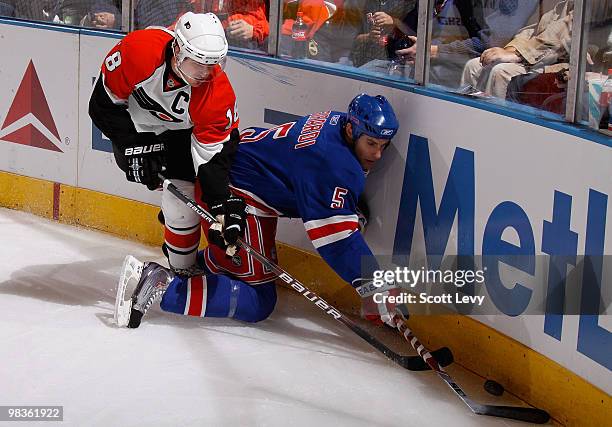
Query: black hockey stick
x=412, y=363
x=531, y=415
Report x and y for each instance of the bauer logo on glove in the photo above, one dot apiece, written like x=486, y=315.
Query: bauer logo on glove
x=134, y=151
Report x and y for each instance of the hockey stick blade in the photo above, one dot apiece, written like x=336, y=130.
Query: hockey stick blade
x=412, y=363
x=530, y=415
x=443, y=355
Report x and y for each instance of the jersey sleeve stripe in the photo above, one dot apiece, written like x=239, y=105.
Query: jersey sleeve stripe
x=332, y=238
x=331, y=229
x=316, y=223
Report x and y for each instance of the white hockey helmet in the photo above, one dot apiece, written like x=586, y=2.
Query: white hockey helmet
x=202, y=46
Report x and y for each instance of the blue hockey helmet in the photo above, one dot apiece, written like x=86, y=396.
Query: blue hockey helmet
x=372, y=115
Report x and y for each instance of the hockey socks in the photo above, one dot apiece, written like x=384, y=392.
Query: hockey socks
x=182, y=228
x=217, y=295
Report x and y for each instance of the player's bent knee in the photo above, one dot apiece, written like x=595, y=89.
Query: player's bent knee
x=260, y=306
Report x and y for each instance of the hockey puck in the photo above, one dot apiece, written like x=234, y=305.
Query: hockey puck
x=494, y=388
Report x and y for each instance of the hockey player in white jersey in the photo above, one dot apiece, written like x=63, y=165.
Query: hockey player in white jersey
x=313, y=169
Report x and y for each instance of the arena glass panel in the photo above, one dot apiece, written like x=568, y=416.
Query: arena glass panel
x=593, y=108
x=355, y=35
x=515, y=55
x=100, y=14
x=246, y=22
x=473, y=44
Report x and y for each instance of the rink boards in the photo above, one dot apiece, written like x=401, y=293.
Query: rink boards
x=469, y=170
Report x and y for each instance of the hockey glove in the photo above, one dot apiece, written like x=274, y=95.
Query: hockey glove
x=144, y=162
x=231, y=215
x=379, y=304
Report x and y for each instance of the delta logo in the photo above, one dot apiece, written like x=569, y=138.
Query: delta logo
x=30, y=107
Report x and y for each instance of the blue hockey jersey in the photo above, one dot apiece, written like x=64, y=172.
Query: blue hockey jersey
x=304, y=169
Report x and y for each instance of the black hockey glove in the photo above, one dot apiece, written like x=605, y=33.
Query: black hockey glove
x=144, y=162
x=232, y=214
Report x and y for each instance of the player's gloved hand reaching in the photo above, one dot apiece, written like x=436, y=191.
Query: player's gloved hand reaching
x=144, y=162
x=231, y=214
x=378, y=303
x=363, y=213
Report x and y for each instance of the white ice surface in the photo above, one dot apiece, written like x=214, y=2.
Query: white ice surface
x=58, y=346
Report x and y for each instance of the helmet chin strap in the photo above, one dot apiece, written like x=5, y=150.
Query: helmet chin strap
x=352, y=145
x=181, y=74
x=177, y=69
x=352, y=137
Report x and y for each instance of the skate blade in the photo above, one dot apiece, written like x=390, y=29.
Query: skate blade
x=130, y=272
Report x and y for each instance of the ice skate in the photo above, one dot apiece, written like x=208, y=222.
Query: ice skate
x=194, y=270
x=150, y=280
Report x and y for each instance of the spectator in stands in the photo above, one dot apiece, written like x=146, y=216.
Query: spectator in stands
x=245, y=21
x=162, y=13
x=336, y=37
x=25, y=9
x=7, y=8
x=382, y=23
x=317, y=15
x=542, y=47
x=103, y=14
x=464, y=29
x=546, y=87
x=599, y=34
x=606, y=52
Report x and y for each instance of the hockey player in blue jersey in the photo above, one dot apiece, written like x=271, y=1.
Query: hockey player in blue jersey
x=313, y=169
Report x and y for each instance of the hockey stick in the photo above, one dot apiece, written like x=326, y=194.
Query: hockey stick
x=531, y=415
x=412, y=363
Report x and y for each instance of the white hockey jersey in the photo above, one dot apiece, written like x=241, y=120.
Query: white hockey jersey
x=137, y=73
